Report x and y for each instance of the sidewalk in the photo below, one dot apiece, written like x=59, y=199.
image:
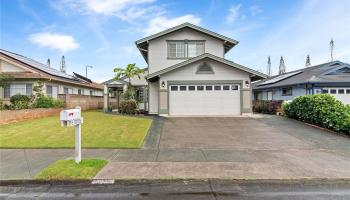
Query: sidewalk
x=26, y=163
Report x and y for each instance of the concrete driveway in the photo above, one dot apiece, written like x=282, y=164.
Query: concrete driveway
x=227, y=133
x=259, y=147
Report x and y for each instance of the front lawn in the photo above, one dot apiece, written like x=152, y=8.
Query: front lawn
x=99, y=130
x=68, y=170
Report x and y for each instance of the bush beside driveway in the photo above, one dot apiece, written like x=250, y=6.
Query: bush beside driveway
x=99, y=130
x=322, y=110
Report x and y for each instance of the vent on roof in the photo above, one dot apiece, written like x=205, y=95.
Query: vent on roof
x=205, y=68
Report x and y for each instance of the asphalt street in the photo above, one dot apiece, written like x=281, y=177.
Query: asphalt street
x=184, y=189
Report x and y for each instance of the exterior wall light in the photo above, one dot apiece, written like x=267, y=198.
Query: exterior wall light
x=247, y=83
x=163, y=84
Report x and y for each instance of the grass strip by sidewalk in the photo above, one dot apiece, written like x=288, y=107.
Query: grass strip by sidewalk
x=69, y=170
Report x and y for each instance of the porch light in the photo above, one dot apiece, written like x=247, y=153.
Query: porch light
x=163, y=84
x=247, y=83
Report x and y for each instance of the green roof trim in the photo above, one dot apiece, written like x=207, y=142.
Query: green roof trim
x=210, y=56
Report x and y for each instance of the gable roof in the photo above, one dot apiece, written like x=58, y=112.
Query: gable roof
x=135, y=81
x=45, y=72
x=142, y=44
x=315, y=74
x=256, y=74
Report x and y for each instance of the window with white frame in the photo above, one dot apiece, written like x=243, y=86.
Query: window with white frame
x=185, y=49
x=18, y=88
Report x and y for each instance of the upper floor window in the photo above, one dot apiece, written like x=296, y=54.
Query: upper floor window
x=185, y=49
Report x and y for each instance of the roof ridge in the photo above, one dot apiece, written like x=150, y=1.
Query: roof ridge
x=30, y=59
x=186, y=24
x=35, y=61
x=303, y=69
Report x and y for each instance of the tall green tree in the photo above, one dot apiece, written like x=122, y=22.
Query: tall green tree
x=129, y=72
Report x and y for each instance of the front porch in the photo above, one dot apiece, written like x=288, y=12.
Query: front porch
x=114, y=95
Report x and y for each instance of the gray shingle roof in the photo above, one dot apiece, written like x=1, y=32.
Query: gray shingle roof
x=35, y=64
x=315, y=74
x=47, y=72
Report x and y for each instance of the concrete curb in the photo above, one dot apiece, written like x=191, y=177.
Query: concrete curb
x=134, y=181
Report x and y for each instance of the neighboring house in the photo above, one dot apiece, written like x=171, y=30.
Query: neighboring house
x=332, y=77
x=188, y=74
x=117, y=87
x=26, y=72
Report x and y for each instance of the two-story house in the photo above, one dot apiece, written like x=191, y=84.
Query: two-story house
x=188, y=74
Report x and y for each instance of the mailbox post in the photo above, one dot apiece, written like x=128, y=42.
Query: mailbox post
x=72, y=117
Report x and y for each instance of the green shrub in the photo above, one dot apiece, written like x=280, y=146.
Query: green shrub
x=2, y=105
x=267, y=106
x=48, y=102
x=321, y=109
x=128, y=107
x=20, y=101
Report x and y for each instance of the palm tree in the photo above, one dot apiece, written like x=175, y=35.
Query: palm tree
x=129, y=72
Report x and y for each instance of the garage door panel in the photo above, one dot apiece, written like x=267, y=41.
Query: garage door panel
x=212, y=102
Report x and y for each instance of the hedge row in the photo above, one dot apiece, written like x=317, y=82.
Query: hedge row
x=20, y=101
x=321, y=109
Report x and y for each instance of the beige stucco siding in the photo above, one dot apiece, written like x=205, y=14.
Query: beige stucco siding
x=153, y=97
x=8, y=67
x=221, y=72
x=157, y=49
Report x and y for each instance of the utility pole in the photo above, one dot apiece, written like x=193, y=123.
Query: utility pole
x=282, y=67
x=269, y=66
x=308, y=62
x=86, y=68
x=331, y=46
x=48, y=62
x=63, y=65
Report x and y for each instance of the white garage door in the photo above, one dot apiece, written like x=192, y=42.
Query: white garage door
x=208, y=99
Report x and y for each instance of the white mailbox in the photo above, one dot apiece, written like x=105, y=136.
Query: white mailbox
x=71, y=117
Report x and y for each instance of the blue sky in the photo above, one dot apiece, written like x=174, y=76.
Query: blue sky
x=102, y=33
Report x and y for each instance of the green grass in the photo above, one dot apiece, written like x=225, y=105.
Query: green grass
x=68, y=169
x=99, y=130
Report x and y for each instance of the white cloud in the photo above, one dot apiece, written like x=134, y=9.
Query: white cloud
x=161, y=23
x=233, y=13
x=255, y=9
x=58, y=41
x=127, y=10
